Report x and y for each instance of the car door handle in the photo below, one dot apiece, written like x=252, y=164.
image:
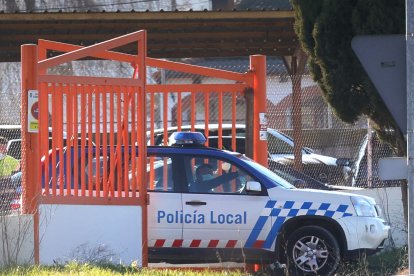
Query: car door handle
x=195, y=203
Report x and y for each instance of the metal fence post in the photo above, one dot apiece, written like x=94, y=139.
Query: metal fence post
x=258, y=67
x=410, y=127
x=30, y=157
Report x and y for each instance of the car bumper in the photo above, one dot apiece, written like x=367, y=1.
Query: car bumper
x=365, y=233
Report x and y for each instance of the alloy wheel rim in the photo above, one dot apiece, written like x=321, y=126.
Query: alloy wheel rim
x=310, y=253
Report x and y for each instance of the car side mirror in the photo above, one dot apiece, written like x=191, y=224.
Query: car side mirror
x=299, y=183
x=342, y=162
x=308, y=150
x=253, y=186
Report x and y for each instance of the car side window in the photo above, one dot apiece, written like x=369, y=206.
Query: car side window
x=160, y=174
x=211, y=175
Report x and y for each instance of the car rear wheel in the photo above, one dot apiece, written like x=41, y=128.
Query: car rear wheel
x=312, y=250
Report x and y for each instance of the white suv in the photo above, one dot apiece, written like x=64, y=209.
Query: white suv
x=245, y=213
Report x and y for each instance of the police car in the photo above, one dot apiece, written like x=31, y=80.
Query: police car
x=249, y=214
x=210, y=205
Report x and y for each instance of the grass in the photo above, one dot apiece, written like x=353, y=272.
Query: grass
x=389, y=262
x=107, y=270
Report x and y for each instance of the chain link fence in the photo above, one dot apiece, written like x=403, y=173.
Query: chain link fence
x=333, y=153
x=9, y=129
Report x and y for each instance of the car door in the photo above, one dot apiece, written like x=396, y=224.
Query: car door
x=225, y=216
x=164, y=209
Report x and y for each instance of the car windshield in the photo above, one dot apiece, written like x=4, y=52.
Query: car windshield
x=278, y=143
x=279, y=181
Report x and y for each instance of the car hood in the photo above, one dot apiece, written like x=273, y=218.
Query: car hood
x=305, y=195
x=311, y=158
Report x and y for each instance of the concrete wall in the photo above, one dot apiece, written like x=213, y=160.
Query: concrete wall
x=390, y=201
x=90, y=233
x=17, y=240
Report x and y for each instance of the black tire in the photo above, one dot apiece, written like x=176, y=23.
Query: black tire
x=312, y=250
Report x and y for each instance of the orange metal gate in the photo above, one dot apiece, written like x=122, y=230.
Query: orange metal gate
x=199, y=97
x=95, y=119
x=83, y=122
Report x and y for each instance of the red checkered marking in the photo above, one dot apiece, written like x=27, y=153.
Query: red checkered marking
x=195, y=243
x=159, y=243
x=178, y=243
x=213, y=244
x=258, y=244
x=231, y=244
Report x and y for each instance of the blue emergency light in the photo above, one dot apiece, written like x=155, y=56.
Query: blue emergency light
x=187, y=138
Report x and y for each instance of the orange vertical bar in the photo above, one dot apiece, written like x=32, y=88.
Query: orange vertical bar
x=165, y=117
x=258, y=67
x=89, y=144
x=152, y=141
x=119, y=142
x=206, y=114
x=165, y=113
x=165, y=121
x=125, y=134
x=43, y=127
x=152, y=123
x=220, y=131
x=233, y=121
x=193, y=110
x=69, y=133
x=179, y=112
x=142, y=52
x=83, y=105
x=54, y=142
x=30, y=154
x=141, y=158
x=112, y=140
x=152, y=114
x=59, y=134
x=76, y=183
x=220, y=120
x=44, y=135
x=97, y=183
x=152, y=159
x=133, y=142
x=104, y=142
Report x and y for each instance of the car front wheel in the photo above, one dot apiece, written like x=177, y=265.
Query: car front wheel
x=312, y=250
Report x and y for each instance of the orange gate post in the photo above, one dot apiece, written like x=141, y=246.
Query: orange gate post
x=30, y=157
x=258, y=67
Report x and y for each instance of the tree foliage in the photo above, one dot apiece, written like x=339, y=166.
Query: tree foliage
x=325, y=29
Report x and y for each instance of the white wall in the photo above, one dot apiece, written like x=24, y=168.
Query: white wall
x=17, y=240
x=90, y=233
x=390, y=201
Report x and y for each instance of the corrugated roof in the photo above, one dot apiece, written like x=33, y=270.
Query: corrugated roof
x=170, y=34
x=235, y=64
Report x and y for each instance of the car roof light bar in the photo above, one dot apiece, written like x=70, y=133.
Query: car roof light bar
x=187, y=139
